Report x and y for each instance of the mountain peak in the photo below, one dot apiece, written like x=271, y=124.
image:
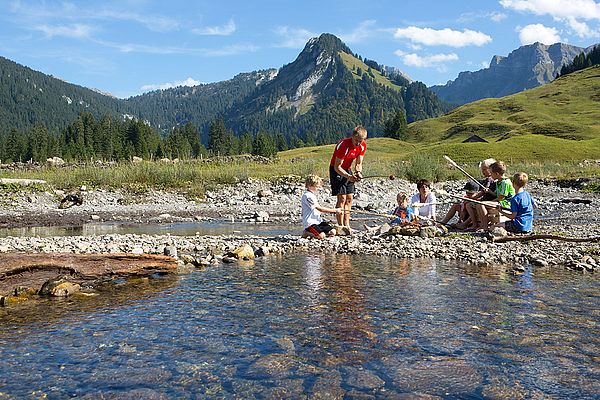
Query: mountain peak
x=328, y=43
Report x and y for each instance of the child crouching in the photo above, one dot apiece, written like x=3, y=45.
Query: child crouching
x=521, y=207
x=312, y=221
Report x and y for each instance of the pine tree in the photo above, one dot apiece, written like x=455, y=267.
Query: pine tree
x=216, y=137
x=396, y=127
x=264, y=145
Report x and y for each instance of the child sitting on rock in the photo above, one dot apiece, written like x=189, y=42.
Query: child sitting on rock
x=521, y=207
x=467, y=218
x=314, y=225
x=403, y=214
x=504, y=191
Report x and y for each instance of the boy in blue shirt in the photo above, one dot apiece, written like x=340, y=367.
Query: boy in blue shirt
x=521, y=207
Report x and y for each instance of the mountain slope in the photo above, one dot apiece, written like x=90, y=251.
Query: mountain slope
x=324, y=93
x=567, y=108
x=200, y=105
x=317, y=98
x=28, y=97
x=525, y=68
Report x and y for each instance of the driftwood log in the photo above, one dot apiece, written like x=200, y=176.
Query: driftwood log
x=33, y=270
x=528, y=238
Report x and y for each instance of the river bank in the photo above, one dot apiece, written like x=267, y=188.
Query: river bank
x=567, y=211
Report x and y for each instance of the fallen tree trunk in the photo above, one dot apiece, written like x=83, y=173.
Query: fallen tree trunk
x=33, y=270
x=528, y=238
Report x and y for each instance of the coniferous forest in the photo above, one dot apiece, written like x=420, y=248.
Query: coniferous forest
x=260, y=112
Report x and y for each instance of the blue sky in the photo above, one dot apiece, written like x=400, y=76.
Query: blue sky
x=128, y=47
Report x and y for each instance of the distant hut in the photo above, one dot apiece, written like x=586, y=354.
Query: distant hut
x=475, y=139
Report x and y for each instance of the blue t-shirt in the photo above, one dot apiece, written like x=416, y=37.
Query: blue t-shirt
x=522, y=204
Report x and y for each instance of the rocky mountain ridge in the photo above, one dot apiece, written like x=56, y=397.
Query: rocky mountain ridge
x=524, y=68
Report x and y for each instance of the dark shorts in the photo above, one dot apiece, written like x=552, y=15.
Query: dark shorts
x=316, y=229
x=339, y=184
x=510, y=227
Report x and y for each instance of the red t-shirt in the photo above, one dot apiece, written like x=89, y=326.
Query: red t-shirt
x=347, y=152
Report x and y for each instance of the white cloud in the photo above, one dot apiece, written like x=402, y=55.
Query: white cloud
x=498, y=16
x=292, y=37
x=415, y=60
x=360, y=33
x=162, y=86
x=582, y=29
x=538, y=33
x=224, y=30
x=443, y=37
x=570, y=12
x=231, y=50
x=585, y=9
x=74, y=31
x=202, y=52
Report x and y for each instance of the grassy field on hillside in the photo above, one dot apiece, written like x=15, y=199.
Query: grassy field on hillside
x=352, y=63
x=567, y=108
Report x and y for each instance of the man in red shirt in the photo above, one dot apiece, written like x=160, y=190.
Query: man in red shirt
x=340, y=171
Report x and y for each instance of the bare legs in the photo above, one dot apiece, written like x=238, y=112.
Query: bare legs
x=344, y=201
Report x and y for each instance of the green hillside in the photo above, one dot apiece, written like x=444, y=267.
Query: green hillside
x=558, y=122
x=353, y=64
x=567, y=108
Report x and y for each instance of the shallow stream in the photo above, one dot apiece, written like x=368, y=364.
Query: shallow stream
x=315, y=325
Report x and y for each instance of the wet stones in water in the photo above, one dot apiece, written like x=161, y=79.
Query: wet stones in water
x=244, y=252
x=328, y=386
x=59, y=287
x=446, y=378
x=362, y=379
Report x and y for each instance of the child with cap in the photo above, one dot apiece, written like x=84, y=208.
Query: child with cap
x=467, y=218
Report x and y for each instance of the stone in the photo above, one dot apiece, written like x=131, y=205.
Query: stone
x=55, y=161
x=265, y=193
x=170, y=251
x=59, y=287
x=244, y=252
x=136, y=160
x=95, y=217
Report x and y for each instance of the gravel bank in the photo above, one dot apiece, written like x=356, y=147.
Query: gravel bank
x=268, y=202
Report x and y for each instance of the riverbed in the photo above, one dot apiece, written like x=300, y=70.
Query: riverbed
x=314, y=325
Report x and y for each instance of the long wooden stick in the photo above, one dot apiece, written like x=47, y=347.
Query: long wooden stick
x=444, y=193
x=375, y=214
x=550, y=237
x=455, y=165
x=390, y=177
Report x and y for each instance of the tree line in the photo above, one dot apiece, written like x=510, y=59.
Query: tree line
x=582, y=61
x=111, y=138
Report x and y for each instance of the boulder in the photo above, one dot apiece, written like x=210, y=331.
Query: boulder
x=55, y=162
x=244, y=252
x=59, y=287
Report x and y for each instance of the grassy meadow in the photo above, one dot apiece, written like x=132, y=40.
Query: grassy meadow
x=547, y=132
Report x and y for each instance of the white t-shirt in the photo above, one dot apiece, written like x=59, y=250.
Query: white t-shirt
x=427, y=211
x=310, y=214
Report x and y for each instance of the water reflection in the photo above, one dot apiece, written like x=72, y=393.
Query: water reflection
x=323, y=326
x=178, y=228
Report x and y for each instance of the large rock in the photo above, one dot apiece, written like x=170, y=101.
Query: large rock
x=244, y=252
x=55, y=162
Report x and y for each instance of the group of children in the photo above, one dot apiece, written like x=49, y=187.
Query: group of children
x=495, y=201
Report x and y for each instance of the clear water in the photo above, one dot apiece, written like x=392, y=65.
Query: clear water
x=317, y=326
x=176, y=228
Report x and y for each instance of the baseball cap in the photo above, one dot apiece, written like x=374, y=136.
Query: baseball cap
x=471, y=187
